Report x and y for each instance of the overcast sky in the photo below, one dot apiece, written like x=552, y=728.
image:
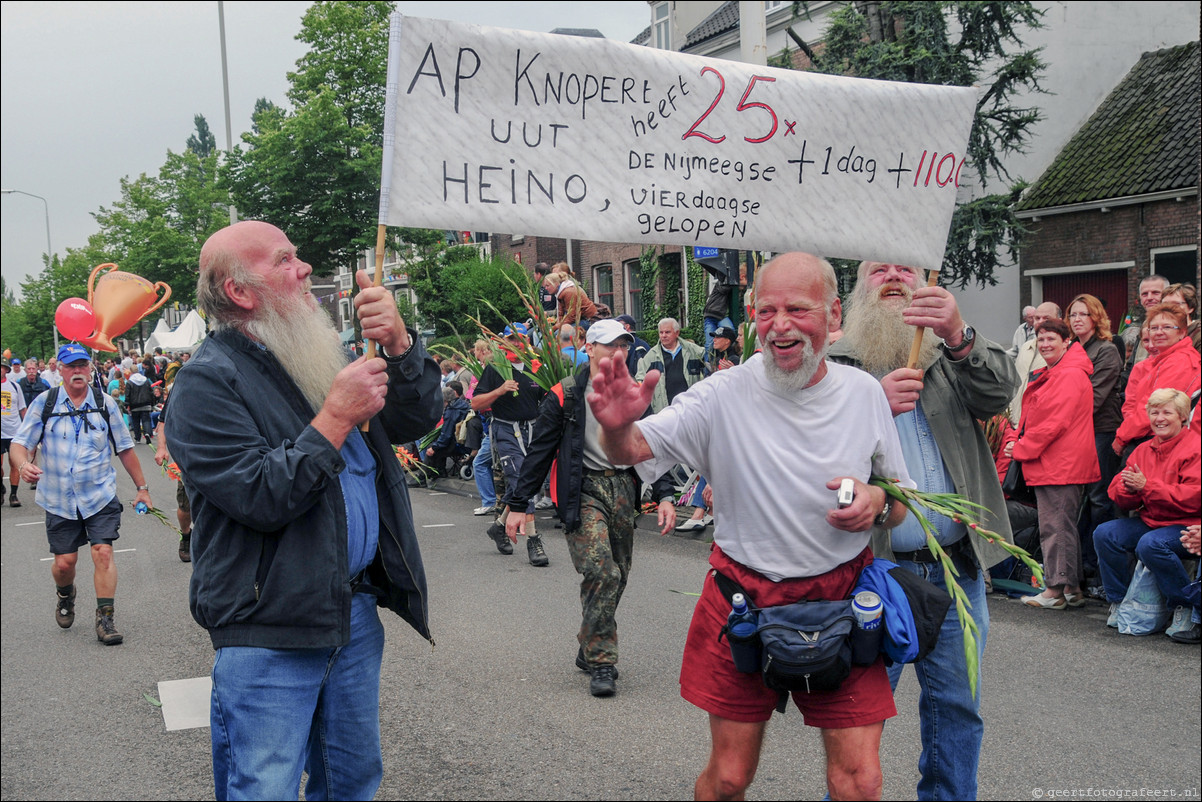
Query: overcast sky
x=94, y=92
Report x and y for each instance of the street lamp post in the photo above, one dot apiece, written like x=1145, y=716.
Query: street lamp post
x=49, y=250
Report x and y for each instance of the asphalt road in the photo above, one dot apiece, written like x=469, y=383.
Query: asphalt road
x=498, y=710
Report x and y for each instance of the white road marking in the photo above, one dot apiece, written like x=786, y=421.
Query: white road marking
x=435, y=526
x=186, y=702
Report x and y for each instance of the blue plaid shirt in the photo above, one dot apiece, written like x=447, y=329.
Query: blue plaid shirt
x=78, y=479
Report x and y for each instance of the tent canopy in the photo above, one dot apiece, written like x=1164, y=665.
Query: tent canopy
x=186, y=336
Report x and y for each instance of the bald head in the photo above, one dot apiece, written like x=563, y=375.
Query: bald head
x=803, y=264
x=1046, y=311
x=240, y=264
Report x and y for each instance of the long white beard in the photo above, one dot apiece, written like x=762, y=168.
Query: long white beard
x=880, y=338
x=799, y=378
x=303, y=339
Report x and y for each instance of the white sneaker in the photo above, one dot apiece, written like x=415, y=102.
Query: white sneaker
x=482, y=511
x=691, y=525
x=1113, y=620
x=544, y=503
x=1181, y=621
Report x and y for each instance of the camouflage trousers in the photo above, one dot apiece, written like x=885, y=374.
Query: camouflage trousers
x=601, y=549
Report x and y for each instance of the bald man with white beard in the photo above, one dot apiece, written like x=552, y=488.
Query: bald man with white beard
x=302, y=521
x=960, y=378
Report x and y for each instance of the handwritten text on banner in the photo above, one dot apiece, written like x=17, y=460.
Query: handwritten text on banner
x=541, y=134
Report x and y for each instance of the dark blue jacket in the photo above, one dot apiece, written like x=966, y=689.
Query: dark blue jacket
x=269, y=537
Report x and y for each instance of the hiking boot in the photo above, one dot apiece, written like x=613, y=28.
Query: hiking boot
x=602, y=683
x=106, y=630
x=497, y=533
x=538, y=555
x=185, y=548
x=582, y=664
x=64, y=609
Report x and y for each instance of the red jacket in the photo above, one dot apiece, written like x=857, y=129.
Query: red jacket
x=1177, y=367
x=1055, y=443
x=1173, y=493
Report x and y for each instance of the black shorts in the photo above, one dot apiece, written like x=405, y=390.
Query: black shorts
x=7, y=442
x=66, y=536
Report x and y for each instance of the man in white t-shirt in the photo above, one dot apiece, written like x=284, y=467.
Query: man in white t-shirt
x=12, y=404
x=775, y=436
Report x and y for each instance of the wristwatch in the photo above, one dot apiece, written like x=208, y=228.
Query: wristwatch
x=968, y=336
x=884, y=516
x=143, y=487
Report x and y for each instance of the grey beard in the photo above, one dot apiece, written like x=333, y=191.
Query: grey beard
x=304, y=341
x=878, y=336
x=799, y=379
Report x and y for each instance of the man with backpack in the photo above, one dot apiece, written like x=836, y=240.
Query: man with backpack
x=139, y=401
x=78, y=487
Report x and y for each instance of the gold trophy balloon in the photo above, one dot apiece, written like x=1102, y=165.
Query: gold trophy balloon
x=117, y=301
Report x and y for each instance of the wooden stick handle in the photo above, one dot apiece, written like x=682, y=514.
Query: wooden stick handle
x=379, y=279
x=377, y=282
x=916, y=346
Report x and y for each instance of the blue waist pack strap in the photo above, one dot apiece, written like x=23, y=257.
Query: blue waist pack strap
x=914, y=610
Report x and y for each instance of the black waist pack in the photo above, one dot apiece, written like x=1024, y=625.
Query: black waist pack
x=807, y=645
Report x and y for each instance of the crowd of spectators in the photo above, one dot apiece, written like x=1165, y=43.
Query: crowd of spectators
x=1106, y=430
x=1085, y=405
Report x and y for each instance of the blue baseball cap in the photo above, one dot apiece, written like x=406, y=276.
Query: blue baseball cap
x=72, y=353
x=515, y=328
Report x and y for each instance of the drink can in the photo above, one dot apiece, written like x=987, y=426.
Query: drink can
x=867, y=608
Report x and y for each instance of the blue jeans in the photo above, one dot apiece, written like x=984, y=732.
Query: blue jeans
x=276, y=712
x=1120, y=540
x=950, y=719
x=482, y=473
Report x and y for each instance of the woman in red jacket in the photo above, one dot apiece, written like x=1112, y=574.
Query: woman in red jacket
x=1176, y=366
x=1055, y=445
x=1162, y=482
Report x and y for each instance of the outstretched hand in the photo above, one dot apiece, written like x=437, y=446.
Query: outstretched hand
x=616, y=399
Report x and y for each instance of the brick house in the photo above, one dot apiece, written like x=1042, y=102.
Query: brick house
x=1120, y=200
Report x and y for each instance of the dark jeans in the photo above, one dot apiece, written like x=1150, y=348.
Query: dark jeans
x=139, y=425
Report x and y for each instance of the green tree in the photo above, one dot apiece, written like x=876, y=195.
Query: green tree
x=202, y=143
x=954, y=44
x=451, y=285
x=315, y=172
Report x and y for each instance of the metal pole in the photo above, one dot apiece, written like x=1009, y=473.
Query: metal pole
x=49, y=250
x=225, y=82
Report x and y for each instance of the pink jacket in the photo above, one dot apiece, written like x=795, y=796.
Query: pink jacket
x=1173, y=493
x=1176, y=366
x=1056, y=443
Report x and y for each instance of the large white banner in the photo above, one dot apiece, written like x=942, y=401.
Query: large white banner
x=490, y=129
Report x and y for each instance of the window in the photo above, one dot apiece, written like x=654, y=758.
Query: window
x=634, y=295
x=1178, y=265
x=662, y=27
x=773, y=5
x=603, y=282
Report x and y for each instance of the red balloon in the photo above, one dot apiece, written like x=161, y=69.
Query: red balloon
x=75, y=319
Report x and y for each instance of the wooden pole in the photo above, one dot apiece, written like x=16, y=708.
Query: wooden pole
x=916, y=346
x=377, y=282
x=379, y=279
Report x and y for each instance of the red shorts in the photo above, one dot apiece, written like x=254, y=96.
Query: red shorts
x=708, y=677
